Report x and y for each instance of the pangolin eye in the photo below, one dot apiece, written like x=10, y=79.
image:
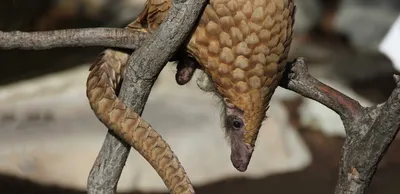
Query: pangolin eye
x=237, y=123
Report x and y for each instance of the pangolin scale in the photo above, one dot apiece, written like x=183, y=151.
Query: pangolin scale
x=242, y=46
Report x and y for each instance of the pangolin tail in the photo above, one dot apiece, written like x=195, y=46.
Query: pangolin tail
x=102, y=86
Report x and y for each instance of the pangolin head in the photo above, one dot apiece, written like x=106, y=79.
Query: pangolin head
x=244, y=111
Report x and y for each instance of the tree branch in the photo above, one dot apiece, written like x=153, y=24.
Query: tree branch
x=369, y=131
x=144, y=66
x=107, y=37
x=300, y=81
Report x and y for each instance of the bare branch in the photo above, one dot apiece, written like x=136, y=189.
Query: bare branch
x=144, y=67
x=369, y=131
x=300, y=81
x=107, y=37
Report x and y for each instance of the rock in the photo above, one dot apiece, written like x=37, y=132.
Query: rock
x=389, y=45
x=61, y=150
x=308, y=13
x=366, y=22
x=123, y=12
x=47, y=15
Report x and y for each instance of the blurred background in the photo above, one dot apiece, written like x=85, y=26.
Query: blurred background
x=50, y=138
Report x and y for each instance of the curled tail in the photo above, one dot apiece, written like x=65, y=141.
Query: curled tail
x=102, y=88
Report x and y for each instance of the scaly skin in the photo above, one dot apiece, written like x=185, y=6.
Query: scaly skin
x=242, y=45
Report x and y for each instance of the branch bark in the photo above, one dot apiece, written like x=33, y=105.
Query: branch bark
x=143, y=68
x=107, y=37
x=298, y=79
x=369, y=130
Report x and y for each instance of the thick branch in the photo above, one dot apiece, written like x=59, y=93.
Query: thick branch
x=107, y=37
x=363, y=151
x=370, y=131
x=144, y=66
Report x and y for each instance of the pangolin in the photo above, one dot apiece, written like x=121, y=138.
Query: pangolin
x=241, y=45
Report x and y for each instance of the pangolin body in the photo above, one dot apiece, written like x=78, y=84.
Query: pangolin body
x=242, y=45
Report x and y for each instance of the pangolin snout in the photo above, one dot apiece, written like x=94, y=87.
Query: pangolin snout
x=241, y=155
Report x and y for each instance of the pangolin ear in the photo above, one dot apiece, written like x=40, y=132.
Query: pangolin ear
x=228, y=103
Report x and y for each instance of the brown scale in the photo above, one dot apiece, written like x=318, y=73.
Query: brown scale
x=242, y=45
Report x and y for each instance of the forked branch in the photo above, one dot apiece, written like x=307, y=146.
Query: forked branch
x=369, y=131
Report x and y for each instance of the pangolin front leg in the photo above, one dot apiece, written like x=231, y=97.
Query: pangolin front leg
x=185, y=69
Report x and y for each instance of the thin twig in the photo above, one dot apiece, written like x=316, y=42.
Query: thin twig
x=369, y=131
x=144, y=66
x=107, y=37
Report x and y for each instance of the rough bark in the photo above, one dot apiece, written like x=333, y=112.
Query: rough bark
x=107, y=37
x=369, y=130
